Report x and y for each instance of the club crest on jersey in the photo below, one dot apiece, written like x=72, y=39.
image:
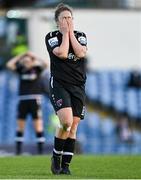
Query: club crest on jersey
x=59, y=102
x=53, y=41
x=82, y=40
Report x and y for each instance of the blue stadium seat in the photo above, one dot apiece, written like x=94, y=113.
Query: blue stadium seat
x=92, y=127
x=118, y=78
x=104, y=77
x=139, y=101
x=105, y=91
x=108, y=127
x=119, y=100
x=105, y=95
x=132, y=106
x=92, y=88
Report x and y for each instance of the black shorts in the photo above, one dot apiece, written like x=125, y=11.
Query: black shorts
x=29, y=107
x=70, y=96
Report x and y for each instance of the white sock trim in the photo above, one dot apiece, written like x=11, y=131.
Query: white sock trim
x=19, y=139
x=41, y=139
x=57, y=152
x=68, y=153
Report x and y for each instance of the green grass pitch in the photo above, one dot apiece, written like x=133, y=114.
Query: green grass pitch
x=82, y=167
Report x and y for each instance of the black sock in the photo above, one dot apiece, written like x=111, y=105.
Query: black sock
x=68, y=152
x=19, y=142
x=40, y=142
x=58, y=146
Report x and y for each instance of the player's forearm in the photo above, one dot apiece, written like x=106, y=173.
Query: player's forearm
x=44, y=63
x=64, y=47
x=32, y=55
x=79, y=50
x=12, y=62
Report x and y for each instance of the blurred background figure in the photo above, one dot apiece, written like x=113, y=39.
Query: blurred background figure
x=113, y=98
x=124, y=130
x=29, y=68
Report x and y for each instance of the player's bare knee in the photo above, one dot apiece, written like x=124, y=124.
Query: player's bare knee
x=66, y=126
x=73, y=131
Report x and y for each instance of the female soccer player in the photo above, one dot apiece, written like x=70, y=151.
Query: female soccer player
x=67, y=50
x=29, y=68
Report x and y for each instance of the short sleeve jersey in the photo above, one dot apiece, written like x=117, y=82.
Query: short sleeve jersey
x=30, y=81
x=71, y=70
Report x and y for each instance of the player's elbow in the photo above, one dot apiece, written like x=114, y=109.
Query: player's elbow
x=81, y=54
x=62, y=55
x=10, y=66
x=45, y=64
